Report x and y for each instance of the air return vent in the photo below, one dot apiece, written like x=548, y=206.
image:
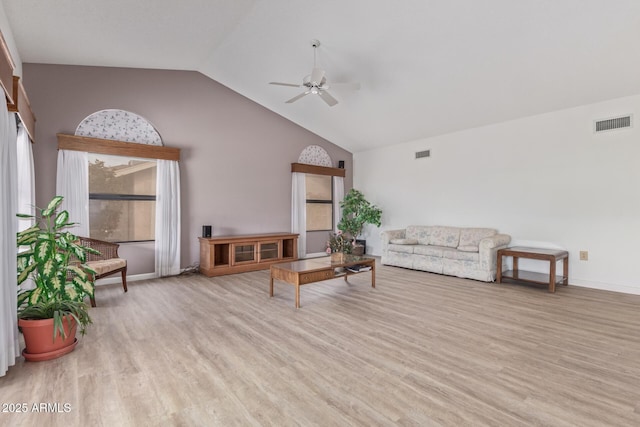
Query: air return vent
x=422, y=154
x=605, y=125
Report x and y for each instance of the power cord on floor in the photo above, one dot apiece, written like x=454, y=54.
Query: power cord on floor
x=191, y=269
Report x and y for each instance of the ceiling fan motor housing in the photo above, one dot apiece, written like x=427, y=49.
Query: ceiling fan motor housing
x=307, y=82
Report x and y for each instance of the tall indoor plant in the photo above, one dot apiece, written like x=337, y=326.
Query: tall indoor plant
x=356, y=212
x=52, y=305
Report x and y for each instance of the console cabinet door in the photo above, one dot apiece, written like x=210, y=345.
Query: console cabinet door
x=244, y=253
x=269, y=251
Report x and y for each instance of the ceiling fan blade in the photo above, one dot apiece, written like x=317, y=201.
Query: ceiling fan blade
x=295, y=98
x=326, y=97
x=284, y=84
x=316, y=76
x=349, y=85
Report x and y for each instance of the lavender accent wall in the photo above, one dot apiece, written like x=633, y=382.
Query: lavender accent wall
x=236, y=154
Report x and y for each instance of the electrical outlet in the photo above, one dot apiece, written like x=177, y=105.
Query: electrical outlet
x=584, y=255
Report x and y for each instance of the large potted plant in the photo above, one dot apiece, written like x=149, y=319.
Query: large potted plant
x=51, y=306
x=356, y=212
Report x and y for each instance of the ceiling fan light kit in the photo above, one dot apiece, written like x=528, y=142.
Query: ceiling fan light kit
x=316, y=83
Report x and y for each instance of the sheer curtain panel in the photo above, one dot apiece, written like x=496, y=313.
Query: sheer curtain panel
x=338, y=196
x=299, y=211
x=72, y=182
x=167, y=245
x=26, y=179
x=9, y=345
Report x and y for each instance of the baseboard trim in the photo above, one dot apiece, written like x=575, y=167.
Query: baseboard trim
x=132, y=278
x=625, y=289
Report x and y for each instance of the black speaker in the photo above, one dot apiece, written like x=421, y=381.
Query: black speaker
x=206, y=231
x=341, y=164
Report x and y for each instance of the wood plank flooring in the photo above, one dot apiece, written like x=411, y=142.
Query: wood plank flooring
x=419, y=349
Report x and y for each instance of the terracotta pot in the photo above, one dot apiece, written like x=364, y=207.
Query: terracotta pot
x=38, y=337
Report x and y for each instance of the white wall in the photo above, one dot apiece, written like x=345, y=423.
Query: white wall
x=8, y=38
x=235, y=160
x=546, y=180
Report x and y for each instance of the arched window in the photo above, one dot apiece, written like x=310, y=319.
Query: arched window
x=130, y=186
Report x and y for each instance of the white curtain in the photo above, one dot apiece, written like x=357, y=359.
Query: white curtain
x=338, y=196
x=299, y=211
x=26, y=179
x=72, y=182
x=9, y=345
x=167, y=246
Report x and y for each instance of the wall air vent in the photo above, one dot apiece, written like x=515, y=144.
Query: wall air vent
x=605, y=125
x=422, y=154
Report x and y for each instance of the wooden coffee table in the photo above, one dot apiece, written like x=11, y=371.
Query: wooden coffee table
x=298, y=273
x=551, y=255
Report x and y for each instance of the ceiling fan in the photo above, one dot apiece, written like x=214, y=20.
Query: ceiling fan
x=316, y=83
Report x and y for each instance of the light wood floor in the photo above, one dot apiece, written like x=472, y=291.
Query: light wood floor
x=420, y=349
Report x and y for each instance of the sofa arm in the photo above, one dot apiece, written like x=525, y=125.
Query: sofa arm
x=488, y=251
x=497, y=240
x=387, y=235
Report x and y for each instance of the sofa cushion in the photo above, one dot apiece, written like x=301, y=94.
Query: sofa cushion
x=468, y=248
x=403, y=241
x=472, y=236
x=428, y=250
x=444, y=236
x=462, y=256
x=407, y=249
x=418, y=232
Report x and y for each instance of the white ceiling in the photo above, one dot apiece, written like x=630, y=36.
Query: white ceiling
x=427, y=67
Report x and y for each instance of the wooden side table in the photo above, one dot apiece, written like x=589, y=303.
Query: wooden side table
x=551, y=255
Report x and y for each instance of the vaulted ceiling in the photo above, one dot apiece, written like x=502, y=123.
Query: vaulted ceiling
x=426, y=67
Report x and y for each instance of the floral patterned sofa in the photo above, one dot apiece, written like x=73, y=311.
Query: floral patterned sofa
x=455, y=251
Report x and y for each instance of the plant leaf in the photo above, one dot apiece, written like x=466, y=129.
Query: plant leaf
x=24, y=296
x=25, y=273
x=57, y=325
x=80, y=272
x=51, y=208
x=86, y=285
x=93, y=251
x=56, y=283
x=49, y=268
x=61, y=220
x=30, y=230
x=41, y=253
x=88, y=269
x=79, y=252
x=34, y=296
x=72, y=292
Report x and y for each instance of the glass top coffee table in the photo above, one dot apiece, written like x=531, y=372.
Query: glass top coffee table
x=303, y=272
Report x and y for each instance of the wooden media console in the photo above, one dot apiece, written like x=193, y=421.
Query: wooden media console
x=236, y=254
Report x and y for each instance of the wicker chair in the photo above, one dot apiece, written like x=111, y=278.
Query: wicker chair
x=107, y=263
